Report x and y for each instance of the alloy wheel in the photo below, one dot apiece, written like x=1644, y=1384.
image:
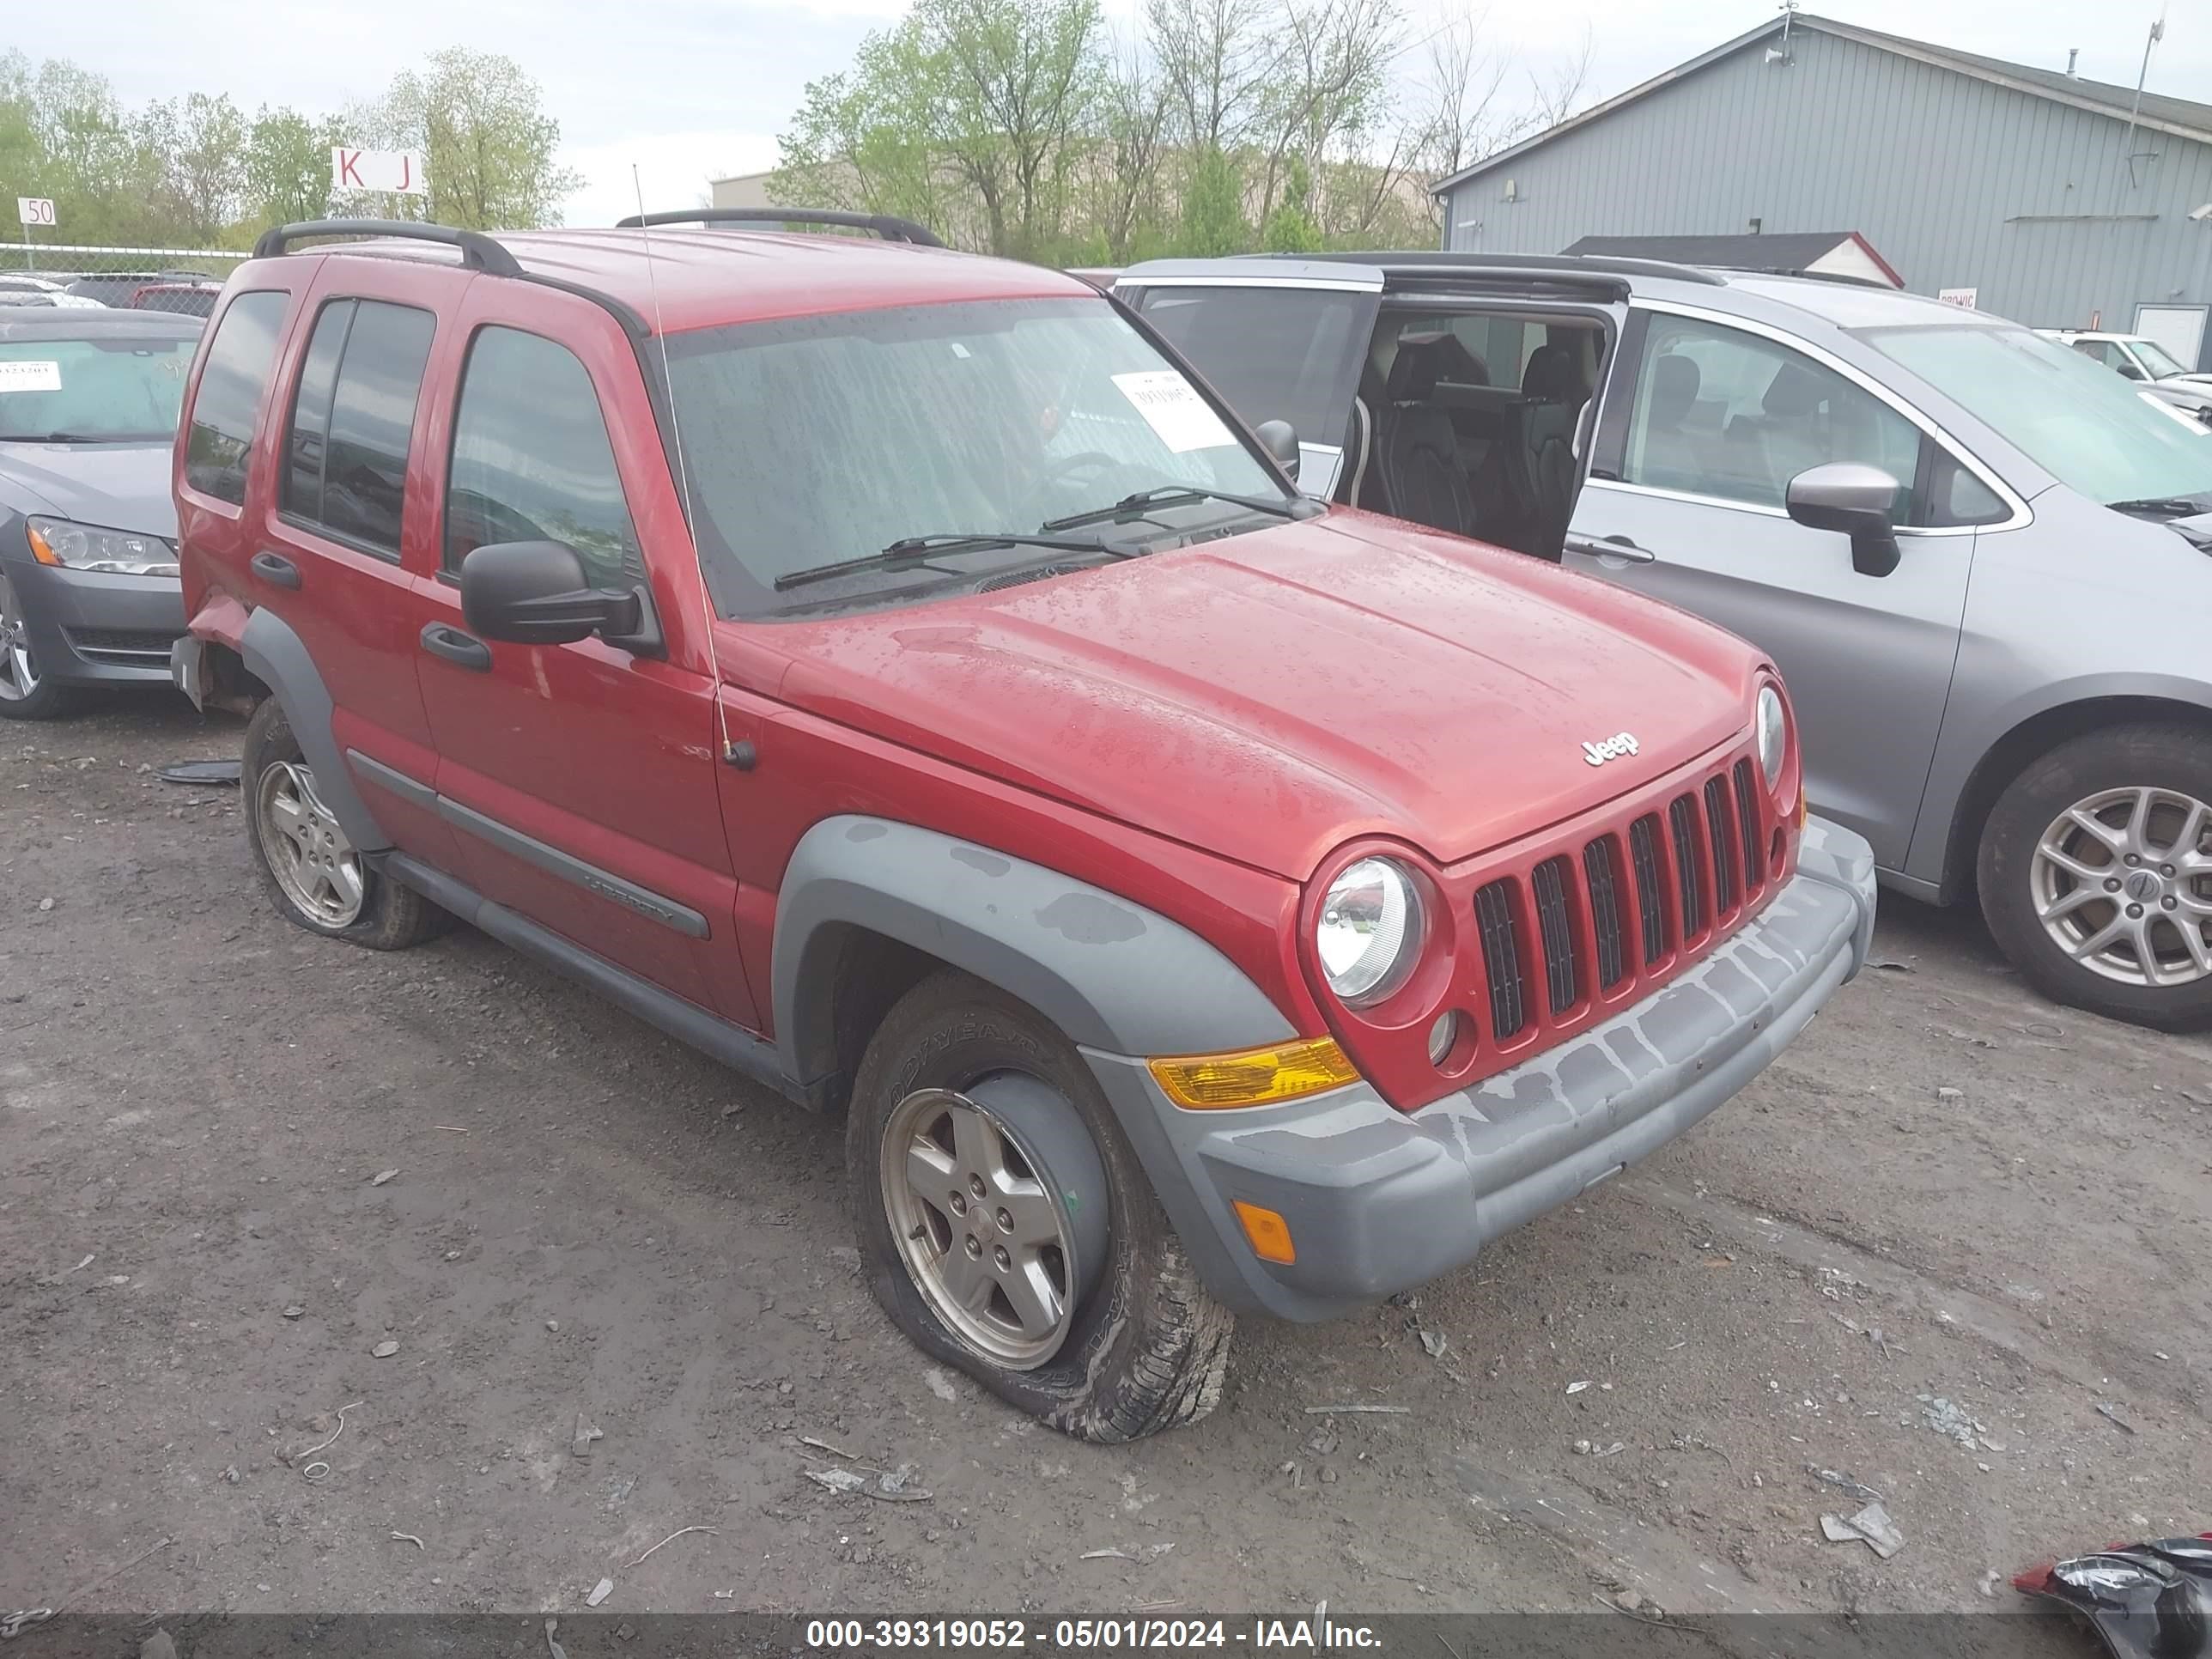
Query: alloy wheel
x=2122, y=882
x=979, y=1226
x=19, y=671
x=309, y=854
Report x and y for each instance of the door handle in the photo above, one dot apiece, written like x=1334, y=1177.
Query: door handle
x=275, y=569
x=1611, y=547
x=464, y=650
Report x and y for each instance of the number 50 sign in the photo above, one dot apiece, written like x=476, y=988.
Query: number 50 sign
x=34, y=210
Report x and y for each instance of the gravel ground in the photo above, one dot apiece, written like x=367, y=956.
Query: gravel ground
x=1950, y=1248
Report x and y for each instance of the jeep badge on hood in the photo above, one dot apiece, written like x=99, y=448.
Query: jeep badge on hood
x=1612, y=748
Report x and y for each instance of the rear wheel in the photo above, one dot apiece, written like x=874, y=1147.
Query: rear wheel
x=313, y=874
x=2096, y=875
x=1007, y=1228
x=26, y=694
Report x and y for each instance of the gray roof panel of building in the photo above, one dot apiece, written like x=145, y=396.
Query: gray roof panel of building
x=2182, y=115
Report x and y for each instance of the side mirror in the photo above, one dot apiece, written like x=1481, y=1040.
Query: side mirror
x=2133, y=372
x=537, y=594
x=1854, y=501
x=1281, y=441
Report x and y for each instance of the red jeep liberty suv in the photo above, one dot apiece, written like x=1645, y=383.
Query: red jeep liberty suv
x=896, y=673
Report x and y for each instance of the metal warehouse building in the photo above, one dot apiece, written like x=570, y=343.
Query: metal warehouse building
x=2054, y=199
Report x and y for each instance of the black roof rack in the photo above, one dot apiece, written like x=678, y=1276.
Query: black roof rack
x=891, y=229
x=478, y=251
x=1554, y=265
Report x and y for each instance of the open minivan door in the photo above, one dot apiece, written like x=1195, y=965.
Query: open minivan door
x=1278, y=339
x=1458, y=392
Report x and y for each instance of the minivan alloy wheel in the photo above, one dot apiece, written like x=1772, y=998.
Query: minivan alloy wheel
x=308, y=854
x=19, y=672
x=975, y=1213
x=2122, y=882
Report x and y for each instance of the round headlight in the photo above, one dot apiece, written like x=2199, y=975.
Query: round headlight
x=1369, y=936
x=1773, y=735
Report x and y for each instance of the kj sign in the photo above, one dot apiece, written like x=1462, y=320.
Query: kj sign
x=398, y=171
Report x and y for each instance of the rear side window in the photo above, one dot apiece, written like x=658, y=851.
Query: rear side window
x=531, y=461
x=345, y=452
x=230, y=389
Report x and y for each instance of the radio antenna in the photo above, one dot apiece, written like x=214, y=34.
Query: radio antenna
x=731, y=752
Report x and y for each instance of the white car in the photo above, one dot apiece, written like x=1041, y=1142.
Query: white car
x=2162, y=375
x=21, y=290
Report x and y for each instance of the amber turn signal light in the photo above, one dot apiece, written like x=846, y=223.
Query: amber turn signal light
x=1270, y=1235
x=40, y=549
x=1255, y=1077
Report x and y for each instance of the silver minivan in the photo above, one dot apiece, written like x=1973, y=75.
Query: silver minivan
x=1980, y=559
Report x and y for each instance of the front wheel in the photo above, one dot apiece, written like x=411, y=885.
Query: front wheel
x=1007, y=1229
x=2096, y=875
x=26, y=694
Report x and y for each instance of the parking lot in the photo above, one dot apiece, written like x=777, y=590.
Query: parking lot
x=1949, y=1249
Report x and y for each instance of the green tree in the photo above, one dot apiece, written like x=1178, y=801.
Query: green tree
x=1213, y=221
x=486, y=140
x=195, y=150
x=1291, y=228
x=980, y=106
x=288, y=167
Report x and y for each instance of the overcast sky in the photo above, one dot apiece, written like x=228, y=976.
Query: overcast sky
x=688, y=89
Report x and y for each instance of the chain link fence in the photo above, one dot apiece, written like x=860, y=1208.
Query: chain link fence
x=174, y=279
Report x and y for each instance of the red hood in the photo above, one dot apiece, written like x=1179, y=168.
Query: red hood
x=1271, y=696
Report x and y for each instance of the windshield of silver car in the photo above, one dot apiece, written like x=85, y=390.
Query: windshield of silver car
x=2084, y=424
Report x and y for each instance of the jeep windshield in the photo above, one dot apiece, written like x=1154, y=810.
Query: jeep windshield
x=822, y=442
x=2084, y=424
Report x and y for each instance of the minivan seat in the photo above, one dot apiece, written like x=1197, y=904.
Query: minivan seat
x=1553, y=395
x=1419, y=452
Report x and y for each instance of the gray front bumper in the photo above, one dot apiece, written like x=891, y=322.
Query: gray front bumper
x=1380, y=1200
x=90, y=628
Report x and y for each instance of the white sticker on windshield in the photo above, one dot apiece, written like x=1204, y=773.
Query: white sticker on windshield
x=30, y=377
x=1173, y=409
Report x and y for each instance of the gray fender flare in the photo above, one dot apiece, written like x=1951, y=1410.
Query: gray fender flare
x=1110, y=974
x=279, y=660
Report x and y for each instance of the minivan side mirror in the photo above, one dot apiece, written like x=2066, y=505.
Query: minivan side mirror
x=537, y=594
x=1854, y=500
x=1281, y=440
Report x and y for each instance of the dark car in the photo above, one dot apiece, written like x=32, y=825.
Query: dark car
x=89, y=592
x=1192, y=898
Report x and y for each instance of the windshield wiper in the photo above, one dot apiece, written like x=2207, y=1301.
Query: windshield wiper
x=2164, y=507
x=911, y=550
x=1169, y=495
x=53, y=437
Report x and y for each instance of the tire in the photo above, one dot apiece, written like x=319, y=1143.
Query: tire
x=272, y=774
x=2106, y=775
x=1142, y=1346
x=25, y=693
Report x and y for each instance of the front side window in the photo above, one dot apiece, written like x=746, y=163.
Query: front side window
x=1276, y=354
x=2155, y=358
x=2091, y=430
x=531, y=462
x=104, y=388
x=231, y=384
x=818, y=440
x=345, y=451
x=2107, y=352
x=1735, y=416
